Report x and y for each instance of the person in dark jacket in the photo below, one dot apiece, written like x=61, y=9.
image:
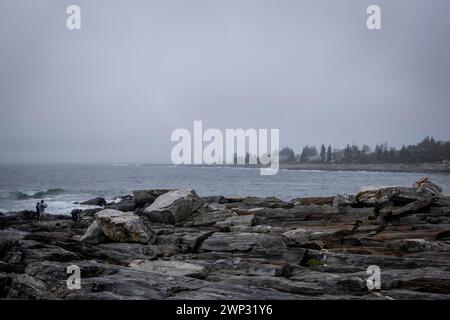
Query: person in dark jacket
x=38, y=213
x=76, y=215
x=42, y=207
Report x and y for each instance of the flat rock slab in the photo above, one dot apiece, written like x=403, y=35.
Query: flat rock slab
x=11, y=235
x=209, y=218
x=172, y=268
x=240, y=241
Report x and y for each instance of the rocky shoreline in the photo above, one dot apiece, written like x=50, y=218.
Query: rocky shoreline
x=173, y=244
x=426, y=167
x=440, y=167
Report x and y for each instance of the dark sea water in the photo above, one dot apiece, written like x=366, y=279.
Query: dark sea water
x=61, y=185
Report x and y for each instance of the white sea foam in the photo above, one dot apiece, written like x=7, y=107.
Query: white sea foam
x=64, y=207
x=115, y=200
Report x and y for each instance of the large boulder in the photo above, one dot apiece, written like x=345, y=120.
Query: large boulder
x=98, y=201
x=424, y=185
x=174, y=206
x=144, y=198
x=122, y=226
x=123, y=205
x=94, y=234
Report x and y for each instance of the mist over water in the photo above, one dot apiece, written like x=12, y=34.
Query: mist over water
x=63, y=185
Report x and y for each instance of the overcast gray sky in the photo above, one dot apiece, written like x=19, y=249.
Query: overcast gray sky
x=115, y=90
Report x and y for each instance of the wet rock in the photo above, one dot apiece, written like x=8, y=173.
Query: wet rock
x=307, y=201
x=24, y=286
x=144, y=198
x=94, y=234
x=401, y=200
x=98, y=201
x=34, y=251
x=125, y=205
x=208, y=218
x=298, y=214
x=223, y=267
x=425, y=186
x=121, y=226
x=182, y=240
x=89, y=212
x=263, y=229
x=234, y=198
x=239, y=242
x=343, y=200
x=125, y=253
x=172, y=268
x=373, y=196
x=11, y=268
x=173, y=207
x=11, y=235
x=299, y=237
x=443, y=201
x=417, y=245
x=279, y=284
x=411, y=207
x=246, y=220
x=216, y=199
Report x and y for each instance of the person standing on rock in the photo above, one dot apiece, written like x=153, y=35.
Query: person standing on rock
x=37, y=210
x=42, y=207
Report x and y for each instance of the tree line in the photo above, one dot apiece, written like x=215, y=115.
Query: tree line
x=428, y=150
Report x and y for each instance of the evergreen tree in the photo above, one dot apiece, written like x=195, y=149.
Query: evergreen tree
x=322, y=153
x=329, y=154
x=287, y=154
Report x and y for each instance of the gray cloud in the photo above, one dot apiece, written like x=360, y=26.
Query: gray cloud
x=116, y=89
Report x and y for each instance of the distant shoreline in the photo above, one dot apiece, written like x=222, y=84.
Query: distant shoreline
x=370, y=167
x=430, y=167
x=373, y=167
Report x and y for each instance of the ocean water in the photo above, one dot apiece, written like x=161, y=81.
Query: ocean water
x=63, y=185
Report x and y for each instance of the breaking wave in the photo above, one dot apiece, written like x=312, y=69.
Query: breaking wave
x=19, y=195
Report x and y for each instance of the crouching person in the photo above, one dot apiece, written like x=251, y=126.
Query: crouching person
x=76, y=215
